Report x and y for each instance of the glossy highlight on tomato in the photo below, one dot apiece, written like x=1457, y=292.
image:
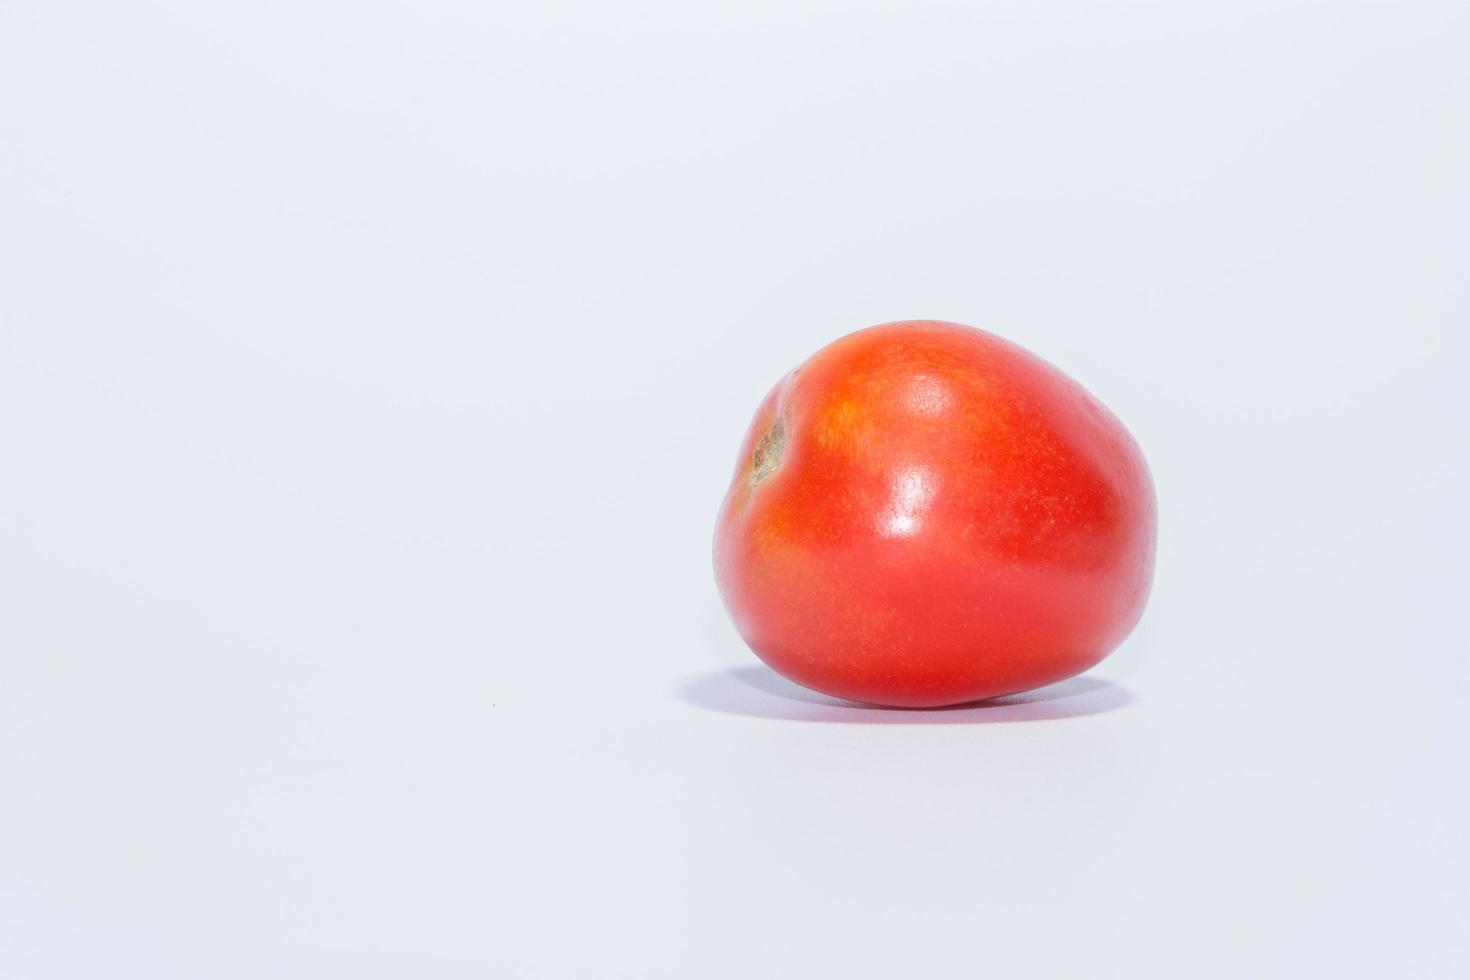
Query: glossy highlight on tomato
x=924, y=514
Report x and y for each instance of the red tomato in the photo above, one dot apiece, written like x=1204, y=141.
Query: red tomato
x=925, y=514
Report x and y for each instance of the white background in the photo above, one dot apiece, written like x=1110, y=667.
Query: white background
x=370, y=374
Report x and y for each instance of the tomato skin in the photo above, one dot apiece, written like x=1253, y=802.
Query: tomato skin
x=924, y=514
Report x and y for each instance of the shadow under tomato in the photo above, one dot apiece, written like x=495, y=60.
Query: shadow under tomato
x=759, y=692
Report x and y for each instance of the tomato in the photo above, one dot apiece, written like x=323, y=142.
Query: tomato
x=924, y=514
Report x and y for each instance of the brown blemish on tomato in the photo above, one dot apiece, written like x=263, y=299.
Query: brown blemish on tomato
x=768, y=450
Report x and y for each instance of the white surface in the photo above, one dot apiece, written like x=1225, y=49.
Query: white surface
x=370, y=375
